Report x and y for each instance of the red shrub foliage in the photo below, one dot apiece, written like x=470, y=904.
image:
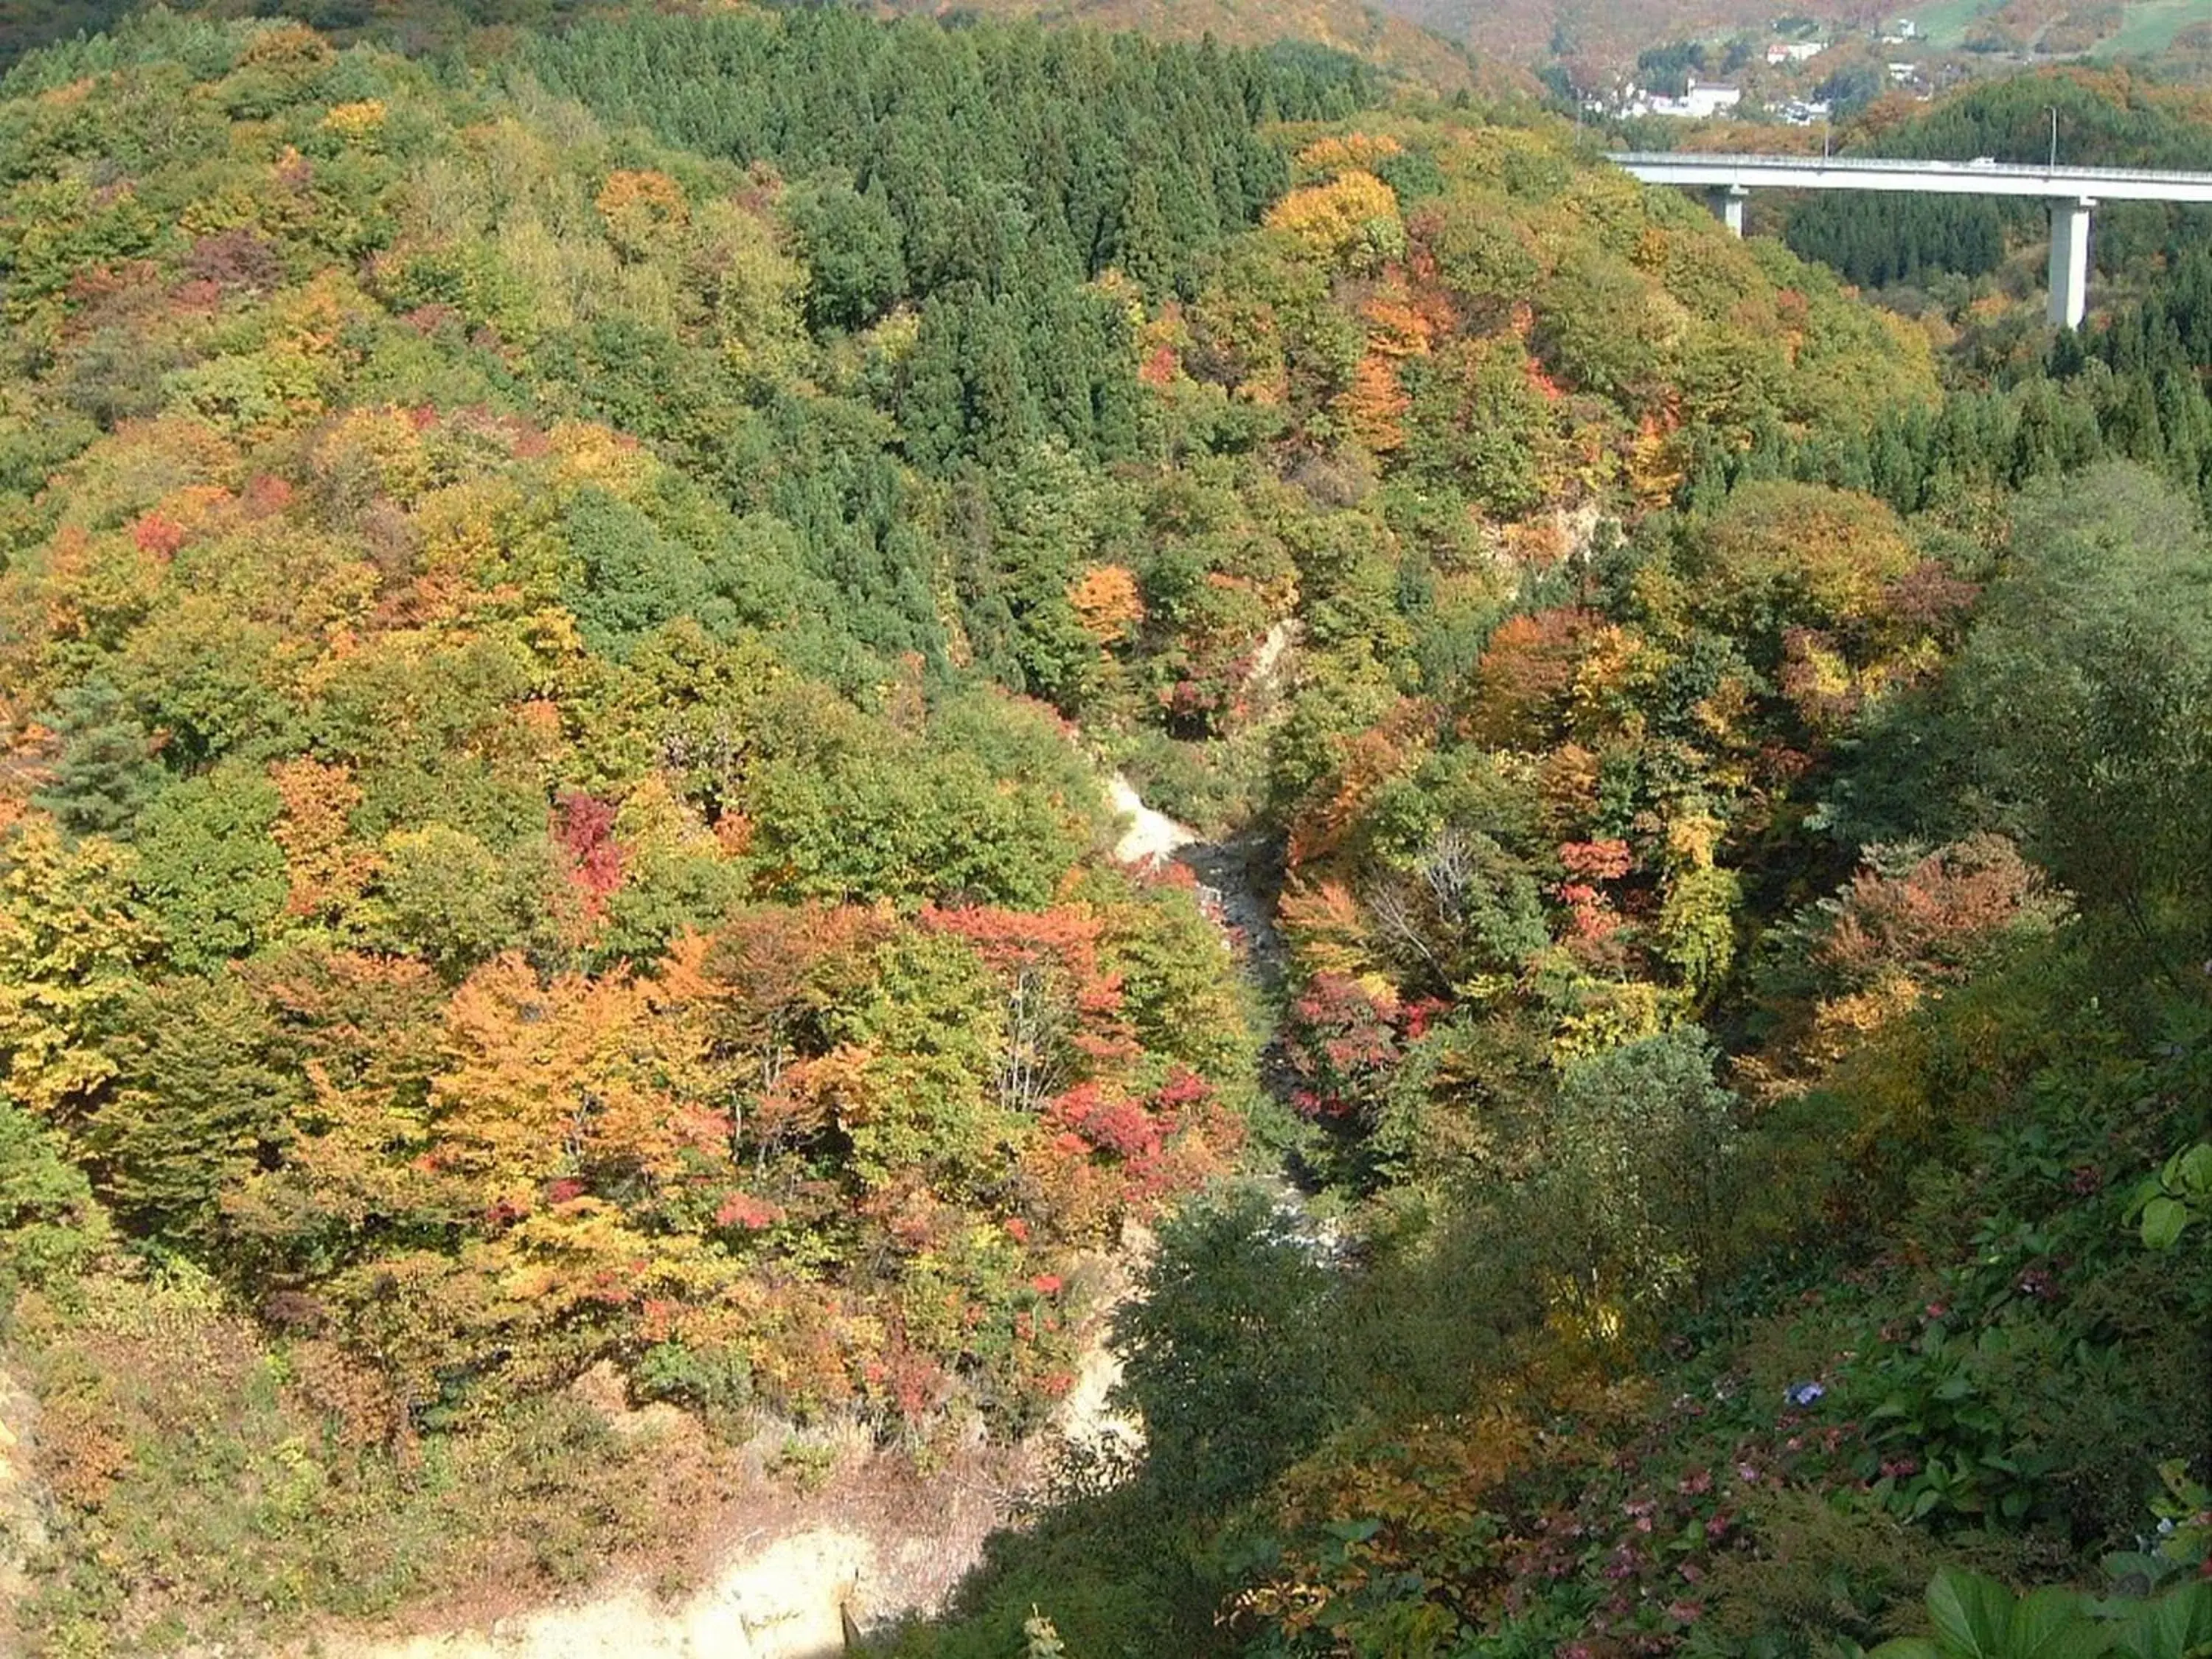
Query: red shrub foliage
x=1344, y=1042
x=237, y=260
x=1597, y=860
x=158, y=534
x=585, y=827
x=1522, y=682
x=1938, y=915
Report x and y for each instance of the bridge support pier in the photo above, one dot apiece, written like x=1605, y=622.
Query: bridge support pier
x=2070, y=259
x=1726, y=202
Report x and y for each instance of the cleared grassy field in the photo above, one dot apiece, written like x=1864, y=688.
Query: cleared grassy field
x=2147, y=26
x=2151, y=26
x=1944, y=24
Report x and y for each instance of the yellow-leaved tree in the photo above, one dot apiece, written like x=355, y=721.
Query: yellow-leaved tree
x=1352, y=220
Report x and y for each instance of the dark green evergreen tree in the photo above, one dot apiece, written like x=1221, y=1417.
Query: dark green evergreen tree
x=106, y=771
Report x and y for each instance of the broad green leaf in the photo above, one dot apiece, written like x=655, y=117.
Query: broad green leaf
x=2146, y=1189
x=2192, y=1170
x=2174, y=1627
x=2053, y=1623
x=1971, y=1612
x=1907, y=1647
x=2162, y=1221
x=2124, y=1564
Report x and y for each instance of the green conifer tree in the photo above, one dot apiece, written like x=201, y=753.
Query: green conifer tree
x=106, y=772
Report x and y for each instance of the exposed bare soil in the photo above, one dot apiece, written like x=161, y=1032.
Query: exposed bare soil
x=23, y=1527
x=797, y=1572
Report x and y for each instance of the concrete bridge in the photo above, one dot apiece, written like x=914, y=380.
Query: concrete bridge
x=2072, y=193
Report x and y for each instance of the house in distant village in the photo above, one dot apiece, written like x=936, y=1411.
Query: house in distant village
x=1794, y=52
x=1699, y=103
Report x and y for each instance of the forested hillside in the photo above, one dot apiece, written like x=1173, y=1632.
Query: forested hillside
x=1393, y=47
x=563, y=615
x=488, y=891
x=1381, y=35
x=2106, y=118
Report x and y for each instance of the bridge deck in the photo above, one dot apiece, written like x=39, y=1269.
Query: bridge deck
x=1947, y=178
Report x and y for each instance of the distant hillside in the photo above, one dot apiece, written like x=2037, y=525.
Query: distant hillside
x=1609, y=36
x=2107, y=118
x=1405, y=48
x=1522, y=31
x=2102, y=28
x=408, y=25
x=27, y=25
x=1402, y=48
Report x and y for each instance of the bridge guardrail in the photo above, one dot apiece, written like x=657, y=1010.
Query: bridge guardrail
x=2068, y=175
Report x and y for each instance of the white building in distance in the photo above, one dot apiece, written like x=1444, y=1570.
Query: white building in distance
x=1698, y=103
